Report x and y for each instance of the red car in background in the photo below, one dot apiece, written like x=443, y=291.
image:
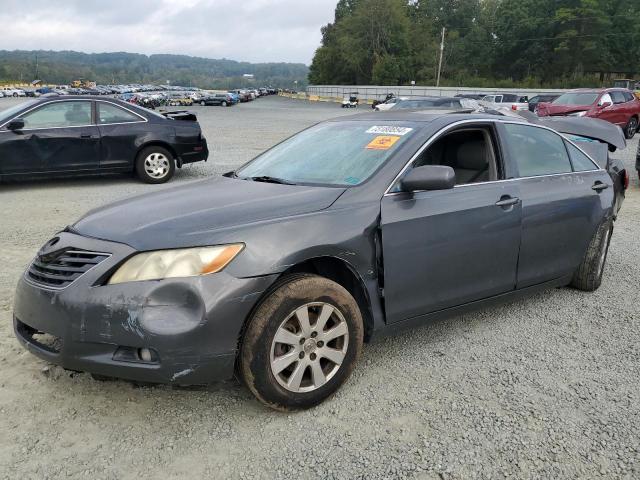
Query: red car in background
x=616, y=105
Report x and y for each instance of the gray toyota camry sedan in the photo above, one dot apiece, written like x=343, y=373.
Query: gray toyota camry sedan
x=280, y=270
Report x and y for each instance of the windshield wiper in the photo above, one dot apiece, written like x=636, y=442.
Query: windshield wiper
x=268, y=179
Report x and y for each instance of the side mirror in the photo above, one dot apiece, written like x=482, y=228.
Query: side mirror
x=16, y=124
x=605, y=105
x=429, y=177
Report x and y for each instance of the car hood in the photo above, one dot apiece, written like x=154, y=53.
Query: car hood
x=555, y=109
x=190, y=215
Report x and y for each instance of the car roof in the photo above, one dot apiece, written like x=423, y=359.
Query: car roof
x=422, y=116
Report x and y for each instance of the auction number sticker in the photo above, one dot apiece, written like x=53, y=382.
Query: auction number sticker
x=382, y=142
x=389, y=130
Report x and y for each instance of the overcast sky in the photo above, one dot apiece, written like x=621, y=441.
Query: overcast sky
x=250, y=30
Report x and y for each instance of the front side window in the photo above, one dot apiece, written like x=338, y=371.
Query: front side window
x=469, y=152
x=59, y=114
x=618, y=97
x=333, y=153
x=537, y=151
x=606, y=98
x=108, y=113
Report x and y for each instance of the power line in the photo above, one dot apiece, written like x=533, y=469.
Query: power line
x=527, y=23
x=497, y=40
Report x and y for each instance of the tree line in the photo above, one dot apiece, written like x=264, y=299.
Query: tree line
x=122, y=68
x=502, y=43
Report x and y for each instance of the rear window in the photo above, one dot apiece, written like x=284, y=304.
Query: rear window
x=332, y=153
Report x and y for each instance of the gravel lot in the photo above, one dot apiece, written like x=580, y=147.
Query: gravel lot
x=545, y=387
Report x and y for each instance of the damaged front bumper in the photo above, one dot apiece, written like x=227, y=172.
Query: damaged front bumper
x=183, y=331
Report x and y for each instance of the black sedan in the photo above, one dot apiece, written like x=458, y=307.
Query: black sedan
x=83, y=135
x=281, y=270
x=533, y=102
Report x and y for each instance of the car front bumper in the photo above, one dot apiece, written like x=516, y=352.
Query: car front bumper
x=191, y=326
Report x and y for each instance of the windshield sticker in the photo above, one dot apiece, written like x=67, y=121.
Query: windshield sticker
x=382, y=142
x=389, y=130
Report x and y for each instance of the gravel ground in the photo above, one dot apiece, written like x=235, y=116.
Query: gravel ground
x=545, y=387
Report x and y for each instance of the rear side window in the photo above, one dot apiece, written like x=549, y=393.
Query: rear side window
x=108, y=113
x=537, y=151
x=628, y=96
x=581, y=163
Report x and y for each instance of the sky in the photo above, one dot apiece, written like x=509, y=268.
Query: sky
x=244, y=30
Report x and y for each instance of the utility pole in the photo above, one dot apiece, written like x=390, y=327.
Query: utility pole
x=441, y=54
x=36, y=67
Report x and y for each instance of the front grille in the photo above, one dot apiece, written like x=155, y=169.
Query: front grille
x=59, y=269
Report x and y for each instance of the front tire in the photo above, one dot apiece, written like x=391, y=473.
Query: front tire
x=155, y=165
x=202, y=104
x=301, y=343
x=631, y=128
x=589, y=275
x=224, y=104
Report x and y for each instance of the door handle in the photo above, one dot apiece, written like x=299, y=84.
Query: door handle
x=507, y=201
x=86, y=135
x=599, y=186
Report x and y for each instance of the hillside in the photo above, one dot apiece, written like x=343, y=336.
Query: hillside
x=120, y=67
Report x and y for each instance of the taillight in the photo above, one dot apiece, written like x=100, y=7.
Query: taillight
x=625, y=179
x=514, y=108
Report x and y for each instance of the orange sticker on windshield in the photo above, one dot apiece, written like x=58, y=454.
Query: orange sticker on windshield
x=382, y=142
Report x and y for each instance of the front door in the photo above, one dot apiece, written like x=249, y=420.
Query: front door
x=58, y=136
x=446, y=248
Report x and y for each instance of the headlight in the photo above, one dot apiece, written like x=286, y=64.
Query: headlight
x=184, y=262
x=577, y=114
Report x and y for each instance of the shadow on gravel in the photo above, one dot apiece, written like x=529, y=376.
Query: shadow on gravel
x=96, y=180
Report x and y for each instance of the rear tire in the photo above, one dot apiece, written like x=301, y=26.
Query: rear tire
x=202, y=103
x=301, y=343
x=589, y=275
x=155, y=165
x=224, y=104
x=631, y=128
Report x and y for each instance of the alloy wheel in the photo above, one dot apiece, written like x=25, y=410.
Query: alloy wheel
x=632, y=128
x=309, y=347
x=156, y=165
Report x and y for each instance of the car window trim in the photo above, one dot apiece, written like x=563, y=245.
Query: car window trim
x=93, y=124
x=444, y=130
x=143, y=120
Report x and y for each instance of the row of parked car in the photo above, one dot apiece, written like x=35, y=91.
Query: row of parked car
x=199, y=97
x=162, y=95
x=619, y=106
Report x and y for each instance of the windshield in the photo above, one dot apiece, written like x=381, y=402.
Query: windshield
x=332, y=153
x=9, y=113
x=576, y=99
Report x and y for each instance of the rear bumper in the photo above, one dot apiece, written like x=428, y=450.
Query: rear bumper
x=191, y=325
x=192, y=153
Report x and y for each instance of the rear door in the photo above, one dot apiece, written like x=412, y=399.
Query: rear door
x=621, y=110
x=449, y=247
x=57, y=136
x=120, y=128
x=561, y=206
